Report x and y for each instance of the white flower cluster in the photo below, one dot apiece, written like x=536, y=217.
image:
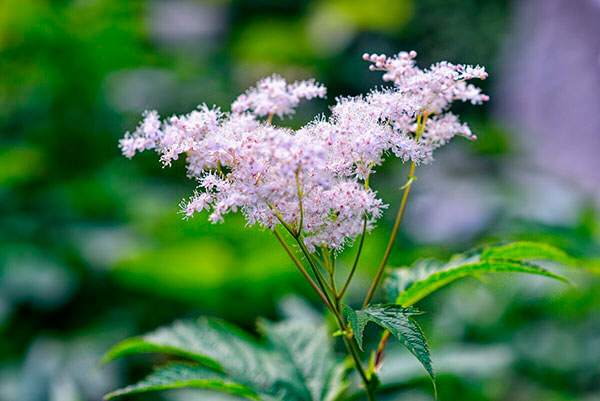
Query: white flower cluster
x=313, y=180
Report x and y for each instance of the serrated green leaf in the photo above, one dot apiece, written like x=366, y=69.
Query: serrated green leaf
x=398, y=321
x=421, y=288
x=525, y=250
x=179, y=375
x=296, y=364
x=406, y=286
x=357, y=320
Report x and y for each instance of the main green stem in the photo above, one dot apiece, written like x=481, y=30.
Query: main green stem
x=334, y=307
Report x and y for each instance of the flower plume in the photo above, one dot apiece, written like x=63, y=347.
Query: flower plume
x=314, y=180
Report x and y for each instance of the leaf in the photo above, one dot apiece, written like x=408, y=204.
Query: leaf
x=181, y=375
x=420, y=289
x=398, y=321
x=296, y=363
x=406, y=286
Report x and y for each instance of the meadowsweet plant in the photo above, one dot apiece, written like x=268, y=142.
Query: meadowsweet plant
x=310, y=187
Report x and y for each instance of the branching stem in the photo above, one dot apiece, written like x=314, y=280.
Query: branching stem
x=333, y=306
x=327, y=292
x=299, y=265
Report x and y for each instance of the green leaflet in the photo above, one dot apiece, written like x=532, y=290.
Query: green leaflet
x=398, y=321
x=180, y=375
x=227, y=359
x=406, y=286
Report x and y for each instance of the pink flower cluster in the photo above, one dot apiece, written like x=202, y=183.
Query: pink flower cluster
x=313, y=180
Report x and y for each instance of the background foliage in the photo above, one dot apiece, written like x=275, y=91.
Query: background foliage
x=92, y=249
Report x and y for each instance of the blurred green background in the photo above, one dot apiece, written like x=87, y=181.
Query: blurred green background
x=92, y=249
